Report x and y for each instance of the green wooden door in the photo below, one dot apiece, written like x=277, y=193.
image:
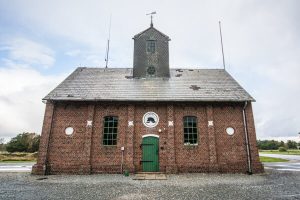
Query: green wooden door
x=150, y=154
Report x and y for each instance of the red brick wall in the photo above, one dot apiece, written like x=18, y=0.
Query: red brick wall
x=191, y=158
x=140, y=129
x=108, y=158
x=40, y=166
x=65, y=152
x=231, y=150
x=256, y=164
x=83, y=152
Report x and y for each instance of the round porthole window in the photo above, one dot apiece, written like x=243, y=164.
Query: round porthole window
x=151, y=70
x=230, y=131
x=69, y=130
x=150, y=119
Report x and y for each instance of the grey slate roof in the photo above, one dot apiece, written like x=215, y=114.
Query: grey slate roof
x=117, y=84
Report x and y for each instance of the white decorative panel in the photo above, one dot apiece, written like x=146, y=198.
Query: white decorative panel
x=130, y=123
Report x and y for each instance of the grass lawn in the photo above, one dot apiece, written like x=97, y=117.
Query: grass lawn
x=17, y=161
x=17, y=157
x=288, y=152
x=269, y=159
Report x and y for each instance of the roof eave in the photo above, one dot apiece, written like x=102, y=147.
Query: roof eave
x=151, y=100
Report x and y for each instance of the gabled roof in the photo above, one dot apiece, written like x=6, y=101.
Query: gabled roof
x=117, y=84
x=148, y=29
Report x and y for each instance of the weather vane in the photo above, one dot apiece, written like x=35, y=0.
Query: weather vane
x=152, y=13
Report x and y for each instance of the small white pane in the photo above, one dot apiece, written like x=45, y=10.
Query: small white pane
x=69, y=131
x=230, y=131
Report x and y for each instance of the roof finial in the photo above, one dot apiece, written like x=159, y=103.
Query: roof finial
x=152, y=13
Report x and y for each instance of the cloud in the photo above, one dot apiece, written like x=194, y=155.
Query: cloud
x=29, y=52
x=22, y=85
x=261, y=43
x=21, y=92
x=85, y=57
x=74, y=52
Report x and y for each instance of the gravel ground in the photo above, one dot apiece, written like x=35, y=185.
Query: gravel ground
x=271, y=185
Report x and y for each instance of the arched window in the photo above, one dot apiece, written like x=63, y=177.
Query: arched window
x=190, y=130
x=110, y=130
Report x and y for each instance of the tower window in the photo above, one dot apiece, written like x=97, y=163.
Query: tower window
x=151, y=70
x=151, y=46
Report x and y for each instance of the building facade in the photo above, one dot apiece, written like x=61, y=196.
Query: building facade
x=148, y=118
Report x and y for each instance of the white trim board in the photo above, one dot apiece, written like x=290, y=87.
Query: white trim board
x=150, y=135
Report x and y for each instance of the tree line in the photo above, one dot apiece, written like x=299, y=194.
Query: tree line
x=24, y=142
x=275, y=145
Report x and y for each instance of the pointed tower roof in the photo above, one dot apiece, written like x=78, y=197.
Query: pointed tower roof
x=148, y=29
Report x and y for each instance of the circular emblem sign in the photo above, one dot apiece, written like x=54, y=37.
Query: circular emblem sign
x=150, y=119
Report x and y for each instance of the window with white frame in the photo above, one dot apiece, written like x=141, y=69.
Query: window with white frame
x=190, y=130
x=110, y=130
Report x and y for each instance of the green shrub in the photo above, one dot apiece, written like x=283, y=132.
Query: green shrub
x=282, y=149
x=25, y=142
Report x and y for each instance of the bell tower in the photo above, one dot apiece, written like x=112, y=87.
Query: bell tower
x=151, y=54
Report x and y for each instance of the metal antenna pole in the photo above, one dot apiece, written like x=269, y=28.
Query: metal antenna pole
x=222, y=45
x=107, y=48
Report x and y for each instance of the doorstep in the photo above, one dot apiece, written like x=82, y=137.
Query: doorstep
x=150, y=176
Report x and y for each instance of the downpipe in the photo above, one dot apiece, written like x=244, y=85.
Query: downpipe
x=247, y=139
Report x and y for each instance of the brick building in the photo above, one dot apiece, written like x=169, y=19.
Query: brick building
x=148, y=118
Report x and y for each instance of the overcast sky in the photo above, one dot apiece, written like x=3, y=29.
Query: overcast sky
x=41, y=42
